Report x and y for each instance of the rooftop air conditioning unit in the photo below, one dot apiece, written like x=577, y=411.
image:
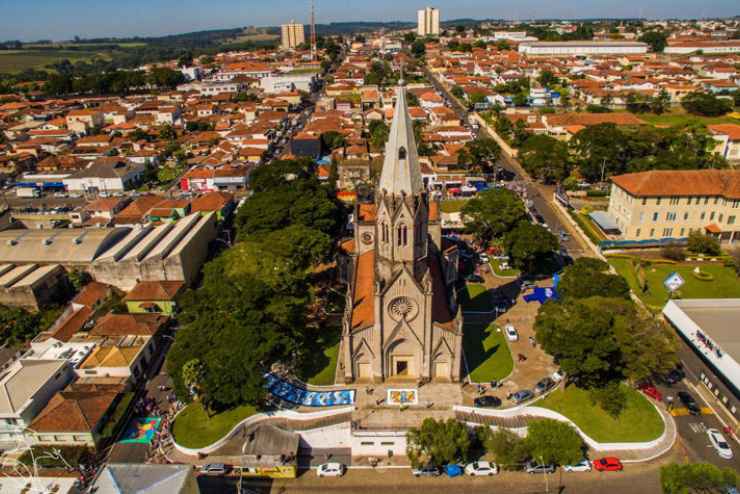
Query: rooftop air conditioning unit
x=12, y=242
x=47, y=241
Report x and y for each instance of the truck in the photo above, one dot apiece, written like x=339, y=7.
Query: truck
x=27, y=192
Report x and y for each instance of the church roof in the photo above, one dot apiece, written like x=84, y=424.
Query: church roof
x=363, y=301
x=401, y=172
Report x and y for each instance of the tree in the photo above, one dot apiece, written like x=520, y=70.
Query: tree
x=192, y=376
x=656, y=39
x=696, y=478
x=17, y=325
x=509, y=450
x=700, y=243
x=554, y=442
x=185, y=60
x=581, y=337
x=706, y=104
x=457, y=92
x=167, y=133
x=79, y=279
x=735, y=254
x=545, y=158
x=418, y=48
x=527, y=245
x=379, y=132
x=547, y=78
x=493, y=213
x=333, y=140
x=589, y=277
x=437, y=442
x=661, y=103
x=483, y=150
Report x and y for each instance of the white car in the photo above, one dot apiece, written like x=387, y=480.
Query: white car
x=481, y=468
x=330, y=470
x=511, y=333
x=582, y=466
x=719, y=443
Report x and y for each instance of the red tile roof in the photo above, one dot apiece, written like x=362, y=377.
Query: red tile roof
x=146, y=291
x=661, y=183
x=363, y=301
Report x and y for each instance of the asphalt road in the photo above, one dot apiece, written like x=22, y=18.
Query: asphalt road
x=636, y=478
x=539, y=195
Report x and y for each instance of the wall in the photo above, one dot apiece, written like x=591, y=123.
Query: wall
x=378, y=443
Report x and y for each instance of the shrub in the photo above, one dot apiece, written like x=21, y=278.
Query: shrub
x=611, y=398
x=735, y=260
x=703, y=244
x=674, y=253
x=703, y=276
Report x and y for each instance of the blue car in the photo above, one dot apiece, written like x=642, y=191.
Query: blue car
x=453, y=470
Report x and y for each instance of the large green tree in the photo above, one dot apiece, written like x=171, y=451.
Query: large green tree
x=528, y=245
x=545, y=158
x=509, y=450
x=589, y=277
x=438, y=442
x=697, y=478
x=493, y=213
x=582, y=338
x=554, y=442
x=706, y=104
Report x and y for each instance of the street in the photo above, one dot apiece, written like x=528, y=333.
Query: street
x=636, y=478
x=539, y=195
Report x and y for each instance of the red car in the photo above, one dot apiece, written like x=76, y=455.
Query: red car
x=608, y=464
x=651, y=391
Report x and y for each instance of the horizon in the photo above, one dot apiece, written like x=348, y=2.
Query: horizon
x=60, y=20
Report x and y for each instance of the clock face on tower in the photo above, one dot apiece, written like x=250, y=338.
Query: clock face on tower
x=403, y=308
x=367, y=238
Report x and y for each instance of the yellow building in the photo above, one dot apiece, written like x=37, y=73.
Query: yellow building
x=673, y=203
x=293, y=35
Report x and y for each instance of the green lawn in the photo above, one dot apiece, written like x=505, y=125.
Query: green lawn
x=724, y=285
x=323, y=347
x=453, y=205
x=638, y=422
x=680, y=117
x=18, y=61
x=486, y=352
x=587, y=225
x=476, y=297
x=511, y=272
x=193, y=428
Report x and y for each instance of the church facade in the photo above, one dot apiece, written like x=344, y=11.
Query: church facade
x=401, y=320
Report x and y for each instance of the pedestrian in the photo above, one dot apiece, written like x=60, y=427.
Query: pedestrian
x=669, y=402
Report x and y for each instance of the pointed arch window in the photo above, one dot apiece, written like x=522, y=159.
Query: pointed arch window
x=402, y=153
x=385, y=232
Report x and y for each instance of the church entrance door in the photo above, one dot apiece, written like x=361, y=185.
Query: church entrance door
x=402, y=367
x=364, y=370
x=442, y=370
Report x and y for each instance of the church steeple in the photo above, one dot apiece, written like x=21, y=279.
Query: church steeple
x=401, y=173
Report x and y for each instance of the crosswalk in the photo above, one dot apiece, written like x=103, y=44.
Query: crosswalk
x=698, y=427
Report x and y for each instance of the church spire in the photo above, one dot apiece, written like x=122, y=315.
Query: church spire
x=401, y=173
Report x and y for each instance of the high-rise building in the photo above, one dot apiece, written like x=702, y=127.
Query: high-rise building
x=428, y=22
x=293, y=35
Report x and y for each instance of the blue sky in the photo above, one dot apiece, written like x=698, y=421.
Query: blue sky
x=63, y=19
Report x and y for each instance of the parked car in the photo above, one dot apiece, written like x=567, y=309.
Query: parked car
x=718, y=442
x=474, y=278
x=487, y=402
x=454, y=470
x=332, y=469
x=522, y=396
x=483, y=257
x=651, y=391
x=557, y=376
x=214, y=469
x=426, y=471
x=544, y=385
x=526, y=285
x=689, y=402
x=674, y=376
x=481, y=468
x=582, y=466
x=533, y=467
x=511, y=333
x=608, y=464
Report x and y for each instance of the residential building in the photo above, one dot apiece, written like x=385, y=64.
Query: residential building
x=728, y=141
x=25, y=389
x=153, y=297
x=672, y=203
x=139, y=478
x=428, y=22
x=580, y=48
x=292, y=35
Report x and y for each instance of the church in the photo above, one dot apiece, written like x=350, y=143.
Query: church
x=402, y=321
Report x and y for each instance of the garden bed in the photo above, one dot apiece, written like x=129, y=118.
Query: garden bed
x=194, y=428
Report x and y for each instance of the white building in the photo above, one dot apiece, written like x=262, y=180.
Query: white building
x=106, y=176
x=706, y=47
x=428, y=22
x=576, y=48
x=287, y=83
x=292, y=35
x=25, y=389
